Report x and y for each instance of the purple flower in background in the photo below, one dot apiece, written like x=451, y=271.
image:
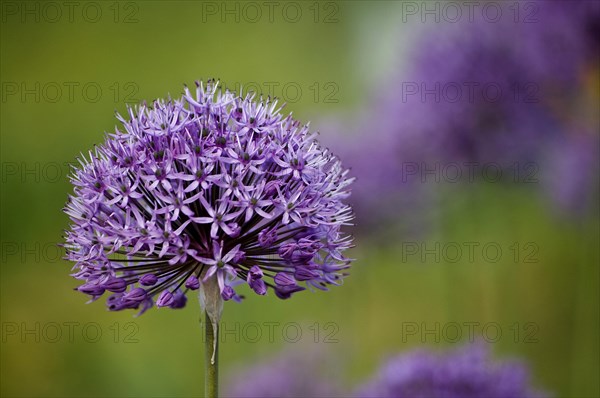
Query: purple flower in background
x=299, y=373
x=467, y=372
x=492, y=91
x=208, y=185
x=511, y=93
x=477, y=93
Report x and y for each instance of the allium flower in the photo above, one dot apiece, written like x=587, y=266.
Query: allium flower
x=297, y=373
x=464, y=373
x=493, y=91
x=479, y=92
x=209, y=185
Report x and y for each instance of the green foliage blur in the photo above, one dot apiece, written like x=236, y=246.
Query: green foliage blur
x=547, y=311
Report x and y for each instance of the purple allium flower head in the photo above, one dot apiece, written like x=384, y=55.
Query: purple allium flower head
x=476, y=93
x=539, y=72
x=483, y=91
x=293, y=373
x=210, y=184
x=463, y=373
x=495, y=86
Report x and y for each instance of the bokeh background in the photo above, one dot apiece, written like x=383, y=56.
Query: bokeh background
x=64, y=72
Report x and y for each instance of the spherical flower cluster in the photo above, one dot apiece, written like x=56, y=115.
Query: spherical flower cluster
x=211, y=185
x=477, y=95
x=467, y=372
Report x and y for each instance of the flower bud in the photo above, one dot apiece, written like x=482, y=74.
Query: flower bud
x=165, y=299
x=228, y=293
x=115, y=285
x=136, y=296
x=179, y=300
x=148, y=280
x=305, y=274
x=192, y=283
x=91, y=289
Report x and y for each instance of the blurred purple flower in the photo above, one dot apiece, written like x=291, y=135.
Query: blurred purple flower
x=467, y=372
x=475, y=93
x=488, y=92
x=385, y=188
x=297, y=373
x=210, y=184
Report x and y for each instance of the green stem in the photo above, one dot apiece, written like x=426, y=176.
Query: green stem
x=211, y=372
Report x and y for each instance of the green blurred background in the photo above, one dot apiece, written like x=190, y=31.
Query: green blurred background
x=333, y=54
